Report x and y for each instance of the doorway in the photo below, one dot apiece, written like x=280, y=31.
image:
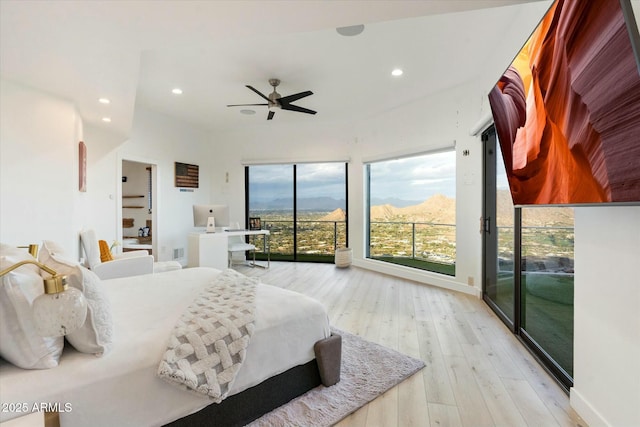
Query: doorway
x=137, y=213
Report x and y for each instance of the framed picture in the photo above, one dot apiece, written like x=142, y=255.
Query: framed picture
x=82, y=167
x=187, y=175
x=255, y=223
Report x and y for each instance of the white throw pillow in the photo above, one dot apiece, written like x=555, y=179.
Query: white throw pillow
x=20, y=343
x=91, y=248
x=96, y=335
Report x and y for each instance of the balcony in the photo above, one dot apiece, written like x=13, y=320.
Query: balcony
x=426, y=246
x=316, y=240
x=421, y=245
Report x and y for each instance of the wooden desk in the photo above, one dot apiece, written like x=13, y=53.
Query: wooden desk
x=212, y=249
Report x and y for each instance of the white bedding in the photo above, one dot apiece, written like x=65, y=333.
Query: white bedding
x=122, y=388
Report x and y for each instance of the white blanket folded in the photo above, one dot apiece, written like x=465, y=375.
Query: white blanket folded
x=208, y=343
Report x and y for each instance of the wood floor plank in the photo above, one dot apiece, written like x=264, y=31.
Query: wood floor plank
x=383, y=411
x=444, y=415
x=477, y=373
x=412, y=402
x=436, y=379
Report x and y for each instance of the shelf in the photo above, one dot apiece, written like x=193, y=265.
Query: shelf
x=133, y=207
x=132, y=197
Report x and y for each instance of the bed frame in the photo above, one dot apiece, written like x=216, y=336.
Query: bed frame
x=243, y=408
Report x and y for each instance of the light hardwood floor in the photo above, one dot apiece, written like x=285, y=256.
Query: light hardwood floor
x=476, y=374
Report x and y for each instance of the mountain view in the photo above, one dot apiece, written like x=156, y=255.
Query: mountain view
x=432, y=223
x=438, y=209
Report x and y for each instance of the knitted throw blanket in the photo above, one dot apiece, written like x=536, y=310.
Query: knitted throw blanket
x=208, y=343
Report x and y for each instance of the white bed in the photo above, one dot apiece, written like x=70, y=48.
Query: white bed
x=121, y=388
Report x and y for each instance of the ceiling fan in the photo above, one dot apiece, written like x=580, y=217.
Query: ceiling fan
x=275, y=100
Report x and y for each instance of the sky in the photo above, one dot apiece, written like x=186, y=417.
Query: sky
x=414, y=178
x=314, y=180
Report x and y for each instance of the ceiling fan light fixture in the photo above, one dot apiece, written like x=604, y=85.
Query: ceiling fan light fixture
x=276, y=101
x=350, y=31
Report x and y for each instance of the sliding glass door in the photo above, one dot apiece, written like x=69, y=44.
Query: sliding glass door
x=498, y=226
x=269, y=196
x=304, y=206
x=528, y=268
x=546, y=280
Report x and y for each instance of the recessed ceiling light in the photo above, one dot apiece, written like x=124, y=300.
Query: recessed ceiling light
x=352, y=30
x=397, y=72
x=104, y=101
x=106, y=119
x=176, y=91
x=248, y=112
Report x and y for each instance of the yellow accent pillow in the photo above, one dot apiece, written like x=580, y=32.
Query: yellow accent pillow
x=105, y=252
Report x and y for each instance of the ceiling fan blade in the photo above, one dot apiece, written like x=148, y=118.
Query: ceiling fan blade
x=244, y=105
x=296, y=108
x=290, y=98
x=270, y=115
x=258, y=92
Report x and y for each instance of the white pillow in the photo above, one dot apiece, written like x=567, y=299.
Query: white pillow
x=20, y=343
x=91, y=248
x=96, y=335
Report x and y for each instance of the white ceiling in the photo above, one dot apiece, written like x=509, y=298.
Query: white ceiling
x=135, y=52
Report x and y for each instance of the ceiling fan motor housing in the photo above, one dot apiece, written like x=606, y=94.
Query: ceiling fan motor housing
x=274, y=96
x=275, y=100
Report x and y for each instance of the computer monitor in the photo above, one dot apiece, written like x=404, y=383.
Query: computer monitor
x=202, y=212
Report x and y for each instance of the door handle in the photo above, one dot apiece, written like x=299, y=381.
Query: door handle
x=485, y=224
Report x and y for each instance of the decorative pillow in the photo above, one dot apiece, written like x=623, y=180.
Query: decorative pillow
x=20, y=342
x=91, y=248
x=96, y=335
x=105, y=252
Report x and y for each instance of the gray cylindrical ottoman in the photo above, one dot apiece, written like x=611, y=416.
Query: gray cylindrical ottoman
x=343, y=257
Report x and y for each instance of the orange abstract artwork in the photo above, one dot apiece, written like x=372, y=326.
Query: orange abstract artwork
x=567, y=110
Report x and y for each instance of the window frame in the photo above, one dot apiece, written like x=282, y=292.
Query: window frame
x=429, y=266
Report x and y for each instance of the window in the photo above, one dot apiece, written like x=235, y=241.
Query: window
x=303, y=206
x=412, y=211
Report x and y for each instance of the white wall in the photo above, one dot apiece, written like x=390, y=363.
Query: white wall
x=607, y=316
x=39, y=136
x=161, y=140
x=100, y=209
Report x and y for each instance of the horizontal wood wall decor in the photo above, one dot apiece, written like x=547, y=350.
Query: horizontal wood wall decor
x=187, y=175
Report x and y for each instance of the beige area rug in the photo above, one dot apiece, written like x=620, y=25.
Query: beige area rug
x=368, y=370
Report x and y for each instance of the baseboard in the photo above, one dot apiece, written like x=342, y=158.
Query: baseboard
x=421, y=276
x=585, y=410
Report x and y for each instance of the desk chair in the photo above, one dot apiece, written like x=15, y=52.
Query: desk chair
x=238, y=244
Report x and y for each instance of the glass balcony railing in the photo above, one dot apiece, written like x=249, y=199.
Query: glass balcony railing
x=422, y=245
x=545, y=249
x=316, y=240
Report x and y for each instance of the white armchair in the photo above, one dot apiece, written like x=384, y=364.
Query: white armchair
x=126, y=264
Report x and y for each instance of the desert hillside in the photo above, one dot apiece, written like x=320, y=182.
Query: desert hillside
x=441, y=209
